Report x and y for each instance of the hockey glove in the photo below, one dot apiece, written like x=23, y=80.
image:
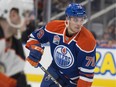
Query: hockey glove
x=35, y=54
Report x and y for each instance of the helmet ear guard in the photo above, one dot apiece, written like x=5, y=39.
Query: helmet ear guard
x=22, y=5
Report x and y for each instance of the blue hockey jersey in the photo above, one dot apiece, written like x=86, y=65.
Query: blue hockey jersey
x=73, y=56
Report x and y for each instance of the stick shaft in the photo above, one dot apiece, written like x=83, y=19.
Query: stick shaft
x=52, y=78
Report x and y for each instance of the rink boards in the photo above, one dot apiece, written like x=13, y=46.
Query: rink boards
x=105, y=71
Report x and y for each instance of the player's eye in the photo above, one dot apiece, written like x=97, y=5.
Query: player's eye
x=77, y=19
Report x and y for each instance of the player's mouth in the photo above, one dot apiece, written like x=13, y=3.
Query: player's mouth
x=77, y=27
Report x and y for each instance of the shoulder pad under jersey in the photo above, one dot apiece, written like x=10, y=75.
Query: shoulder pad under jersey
x=85, y=40
x=56, y=26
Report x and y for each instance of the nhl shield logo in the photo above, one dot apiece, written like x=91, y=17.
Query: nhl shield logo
x=56, y=39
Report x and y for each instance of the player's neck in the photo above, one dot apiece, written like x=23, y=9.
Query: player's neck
x=69, y=34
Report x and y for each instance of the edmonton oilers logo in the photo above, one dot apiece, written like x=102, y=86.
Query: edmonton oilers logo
x=63, y=57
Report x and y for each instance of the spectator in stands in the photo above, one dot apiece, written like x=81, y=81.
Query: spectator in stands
x=13, y=14
x=111, y=31
x=106, y=41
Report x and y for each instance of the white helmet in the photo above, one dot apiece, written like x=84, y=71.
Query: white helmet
x=22, y=6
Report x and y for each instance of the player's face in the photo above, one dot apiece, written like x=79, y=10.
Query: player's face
x=14, y=17
x=75, y=24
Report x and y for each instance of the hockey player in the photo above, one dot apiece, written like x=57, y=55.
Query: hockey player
x=5, y=81
x=13, y=14
x=72, y=46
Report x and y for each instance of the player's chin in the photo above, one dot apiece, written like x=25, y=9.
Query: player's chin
x=76, y=29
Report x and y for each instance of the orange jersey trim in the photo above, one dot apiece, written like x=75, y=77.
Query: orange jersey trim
x=56, y=26
x=82, y=83
x=85, y=40
x=7, y=81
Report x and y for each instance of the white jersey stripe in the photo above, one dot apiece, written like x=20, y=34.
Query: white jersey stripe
x=86, y=70
x=86, y=79
x=53, y=32
x=74, y=78
x=30, y=39
x=73, y=83
x=31, y=35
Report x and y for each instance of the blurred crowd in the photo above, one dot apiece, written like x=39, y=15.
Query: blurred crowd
x=108, y=39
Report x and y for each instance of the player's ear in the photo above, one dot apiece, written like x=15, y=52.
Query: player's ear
x=67, y=18
x=67, y=21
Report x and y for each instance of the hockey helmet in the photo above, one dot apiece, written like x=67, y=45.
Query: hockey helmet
x=74, y=9
x=22, y=5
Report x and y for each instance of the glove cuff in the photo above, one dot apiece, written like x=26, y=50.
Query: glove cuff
x=32, y=62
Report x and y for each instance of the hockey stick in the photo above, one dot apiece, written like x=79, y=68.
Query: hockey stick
x=52, y=78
